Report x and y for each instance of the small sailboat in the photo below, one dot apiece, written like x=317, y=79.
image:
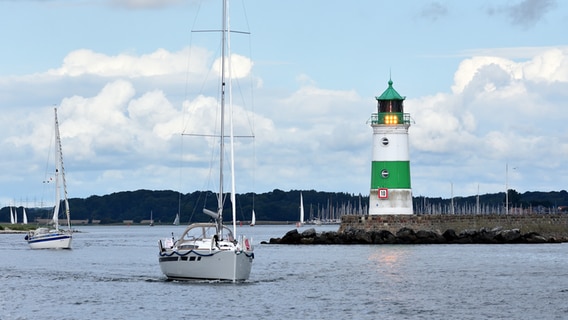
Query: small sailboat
x=253, y=219
x=151, y=218
x=212, y=250
x=301, y=222
x=12, y=220
x=176, y=220
x=25, y=217
x=55, y=238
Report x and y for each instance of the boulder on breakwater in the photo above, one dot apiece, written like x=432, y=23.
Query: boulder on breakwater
x=409, y=236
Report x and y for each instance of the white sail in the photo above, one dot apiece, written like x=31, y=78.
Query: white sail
x=301, y=209
x=176, y=220
x=25, y=217
x=11, y=216
x=61, y=169
x=253, y=219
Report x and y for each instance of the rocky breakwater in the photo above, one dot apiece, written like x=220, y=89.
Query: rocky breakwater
x=409, y=236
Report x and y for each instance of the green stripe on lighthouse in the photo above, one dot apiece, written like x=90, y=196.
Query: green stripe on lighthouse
x=390, y=174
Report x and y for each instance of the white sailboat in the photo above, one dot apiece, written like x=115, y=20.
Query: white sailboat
x=25, y=216
x=253, y=219
x=212, y=250
x=12, y=221
x=176, y=220
x=56, y=238
x=301, y=222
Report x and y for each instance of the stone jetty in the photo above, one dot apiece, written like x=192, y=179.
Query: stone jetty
x=409, y=236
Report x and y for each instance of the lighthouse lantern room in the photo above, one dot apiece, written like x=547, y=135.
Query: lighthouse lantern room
x=390, y=169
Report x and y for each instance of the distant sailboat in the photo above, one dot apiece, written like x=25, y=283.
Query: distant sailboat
x=55, y=238
x=25, y=217
x=301, y=222
x=151, y=219
x=253, y=219
x=11, y=216
x=176, y=220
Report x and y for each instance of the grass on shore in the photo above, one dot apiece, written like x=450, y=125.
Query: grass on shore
x=18, y=227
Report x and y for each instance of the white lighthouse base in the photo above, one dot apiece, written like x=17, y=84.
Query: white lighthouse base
x=398, y=201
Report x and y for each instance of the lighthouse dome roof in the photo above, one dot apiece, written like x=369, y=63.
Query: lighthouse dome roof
x=390, y=94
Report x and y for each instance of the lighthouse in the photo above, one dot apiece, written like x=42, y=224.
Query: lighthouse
x=390, y=168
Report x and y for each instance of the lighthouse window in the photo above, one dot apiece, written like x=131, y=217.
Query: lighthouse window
x=385, y=173
x=385, y=141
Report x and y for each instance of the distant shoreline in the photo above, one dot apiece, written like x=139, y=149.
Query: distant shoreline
x=12, y=231
x=5, y=228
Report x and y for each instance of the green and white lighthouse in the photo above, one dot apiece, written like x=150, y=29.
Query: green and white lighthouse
x=390, y=169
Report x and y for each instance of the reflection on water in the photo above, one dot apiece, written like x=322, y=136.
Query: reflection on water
x=389, y=256
x=391, y=260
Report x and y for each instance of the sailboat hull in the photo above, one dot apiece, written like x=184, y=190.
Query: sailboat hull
x=206, y=264
x=52, y=240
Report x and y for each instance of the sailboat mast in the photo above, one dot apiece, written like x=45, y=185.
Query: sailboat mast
x=231, y=133
x=222, y=136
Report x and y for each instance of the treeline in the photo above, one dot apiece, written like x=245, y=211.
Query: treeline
x=496, y=203
x=162, y=206
x=278, y=205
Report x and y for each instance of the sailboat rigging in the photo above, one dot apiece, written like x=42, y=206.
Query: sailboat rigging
x=56, y=238
x=212, y=250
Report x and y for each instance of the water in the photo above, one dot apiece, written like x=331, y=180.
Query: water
x=113, y=273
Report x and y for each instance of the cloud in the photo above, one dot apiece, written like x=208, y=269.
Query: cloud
x=158, y=63
x=121, y=126
x=499, y=110
x=526, y=13
x=548, y=66
x=433, y=11
x=135, y=119
x=239, y=66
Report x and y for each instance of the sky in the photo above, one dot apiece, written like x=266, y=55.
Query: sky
x=485, y=81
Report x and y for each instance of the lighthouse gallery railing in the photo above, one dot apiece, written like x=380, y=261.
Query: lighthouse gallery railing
x=390, y=118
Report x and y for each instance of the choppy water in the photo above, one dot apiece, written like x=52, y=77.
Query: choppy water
x=113, y=273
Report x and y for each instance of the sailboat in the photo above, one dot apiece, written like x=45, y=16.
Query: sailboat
x=301, y=222
x=212, y=250
x=25, y=216
x=151, y=218
x=12, y=221
x=55, y=238
x=176, y=220
x=253, y=219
